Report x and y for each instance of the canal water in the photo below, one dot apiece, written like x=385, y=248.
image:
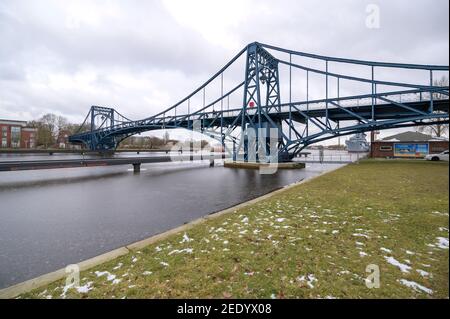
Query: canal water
x=52, y=218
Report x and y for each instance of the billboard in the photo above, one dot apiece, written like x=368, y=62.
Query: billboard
x=411, y=149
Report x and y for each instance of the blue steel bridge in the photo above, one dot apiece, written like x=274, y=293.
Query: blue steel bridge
x=379, y=104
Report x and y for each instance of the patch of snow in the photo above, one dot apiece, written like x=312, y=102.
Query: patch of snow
x=244, y=220
x=185, y=239
x=442, y=242
x=163, y=263
x=410, y=252
x=158, y=249
x=335, y=232
x=416, y=286
x=84, y=289
x=423, y=273
x=118, y=266
x=395, y=262
x=146, y=273
x=310, y=279
x=386, y=250
x=178, y=251
x=361, y=235
x=280, y=220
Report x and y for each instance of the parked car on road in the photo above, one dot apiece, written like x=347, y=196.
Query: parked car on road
x=438, y=157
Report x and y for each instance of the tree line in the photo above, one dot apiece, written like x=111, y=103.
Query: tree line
x=50, y=126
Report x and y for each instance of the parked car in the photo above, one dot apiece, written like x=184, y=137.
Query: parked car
x=438, y=157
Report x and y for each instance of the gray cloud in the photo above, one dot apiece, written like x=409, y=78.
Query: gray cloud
x=63, y=56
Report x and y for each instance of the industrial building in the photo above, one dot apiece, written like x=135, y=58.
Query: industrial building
x=408, y=145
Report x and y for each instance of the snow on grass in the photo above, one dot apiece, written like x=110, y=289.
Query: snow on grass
x=439, y=213
x=362, y=254
x=244, y=220
x=310, y=280
x=158, y=249
x=119, y=265
x=85, y=288
x=410, y=252
x=442, y=242
x=423, y=273
x=179, y=251
x=146, y=273
x=280, y=220
x=334, y=232
x=386, y=250
x=360, y=235
x=109, y=276
x=417, y=287
x=395, y=262
x=185, y=239
x=163, y=263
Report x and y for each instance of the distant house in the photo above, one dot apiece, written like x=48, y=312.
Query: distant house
x=63, y=139
x=408, y=145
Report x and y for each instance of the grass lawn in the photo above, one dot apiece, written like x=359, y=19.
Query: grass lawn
x=310, y=241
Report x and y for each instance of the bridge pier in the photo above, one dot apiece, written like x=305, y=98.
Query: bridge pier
x=136, y=167
x=211, y=157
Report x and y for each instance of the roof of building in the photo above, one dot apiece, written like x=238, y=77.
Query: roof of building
x=411, y=136
x=13, y=122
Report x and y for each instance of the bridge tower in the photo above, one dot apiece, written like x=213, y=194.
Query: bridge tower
x=261, y=136
x=106, y=119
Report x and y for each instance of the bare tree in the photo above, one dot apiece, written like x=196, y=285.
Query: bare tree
x=437, y=129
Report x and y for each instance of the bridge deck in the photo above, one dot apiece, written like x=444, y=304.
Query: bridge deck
x=67, y=163
x=228, y=117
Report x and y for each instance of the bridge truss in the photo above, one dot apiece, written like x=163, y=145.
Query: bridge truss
x=380, y=103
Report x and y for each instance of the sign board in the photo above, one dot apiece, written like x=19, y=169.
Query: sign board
x=411, y=149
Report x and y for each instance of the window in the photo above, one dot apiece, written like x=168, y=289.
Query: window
x=15, y=136
x=385, y=148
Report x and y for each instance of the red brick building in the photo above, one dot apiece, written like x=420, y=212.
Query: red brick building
x=408, y=145
x=16, y=134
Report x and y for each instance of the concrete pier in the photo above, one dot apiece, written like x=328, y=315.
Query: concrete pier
x=136, y=167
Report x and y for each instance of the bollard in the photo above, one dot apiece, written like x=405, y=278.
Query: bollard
x=136, y=167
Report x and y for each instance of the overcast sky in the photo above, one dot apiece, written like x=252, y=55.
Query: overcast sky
x=143, y=56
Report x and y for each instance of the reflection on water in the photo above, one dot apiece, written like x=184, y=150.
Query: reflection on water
x=51, y=218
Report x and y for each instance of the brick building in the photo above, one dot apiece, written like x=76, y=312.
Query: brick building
x=408, y=145
x=16, y=134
